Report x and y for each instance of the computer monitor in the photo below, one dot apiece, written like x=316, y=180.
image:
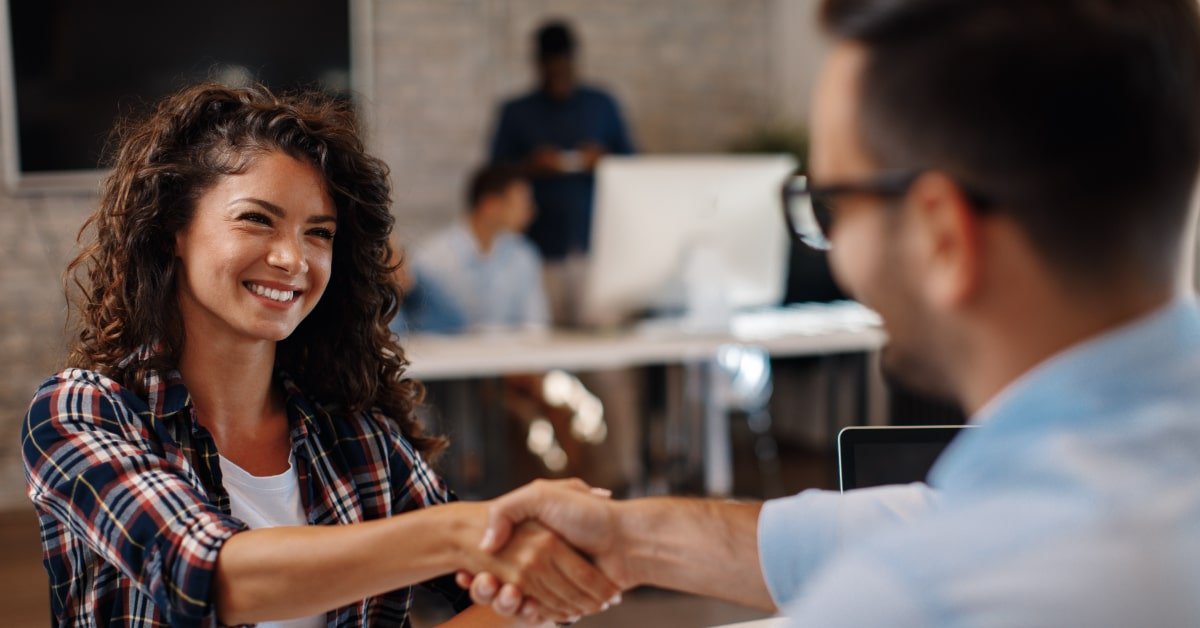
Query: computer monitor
x=894, y=454
x=686, y=233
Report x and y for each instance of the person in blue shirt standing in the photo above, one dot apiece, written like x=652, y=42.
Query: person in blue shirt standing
x=556, y=134
x=1008, y=183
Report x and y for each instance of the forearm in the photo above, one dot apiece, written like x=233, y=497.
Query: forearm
x=706, y=547
x=278, y=573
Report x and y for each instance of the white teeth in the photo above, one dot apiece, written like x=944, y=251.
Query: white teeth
x=282, y=296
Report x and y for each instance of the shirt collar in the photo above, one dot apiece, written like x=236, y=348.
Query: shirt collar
x=1105, y=361
x=1092, y=388
x=167, y=396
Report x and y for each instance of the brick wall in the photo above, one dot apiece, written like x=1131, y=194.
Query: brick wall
x=692, y=76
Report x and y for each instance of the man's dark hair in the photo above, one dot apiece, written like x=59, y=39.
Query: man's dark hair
x=1078, y=118
x=554, y=39
x=490, y=180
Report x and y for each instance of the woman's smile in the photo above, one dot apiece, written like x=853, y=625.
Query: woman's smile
x=274, y=294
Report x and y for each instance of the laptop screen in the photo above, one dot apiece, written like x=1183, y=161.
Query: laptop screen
x=877, y=456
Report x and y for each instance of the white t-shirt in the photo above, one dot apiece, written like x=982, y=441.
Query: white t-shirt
x=268, y=502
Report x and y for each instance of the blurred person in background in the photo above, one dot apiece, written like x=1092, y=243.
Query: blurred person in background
x=556, y=134
x=482, y=266
x=481, y=275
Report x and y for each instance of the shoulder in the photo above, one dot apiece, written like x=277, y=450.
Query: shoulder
x=80, y=418
x=522, y=249
x=81, y=393
x=413, y=483
x=441, y=252
x=518, y=102
x=443, y=242
x=595, y=95
x=374, y=437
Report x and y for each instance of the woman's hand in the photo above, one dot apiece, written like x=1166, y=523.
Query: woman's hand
x=543, y=567
x=580, y=514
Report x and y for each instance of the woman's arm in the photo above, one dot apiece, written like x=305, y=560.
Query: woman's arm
x=278, y=573
x=89, y=465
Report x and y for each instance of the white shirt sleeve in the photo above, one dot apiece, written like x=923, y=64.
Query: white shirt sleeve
x=797, y=535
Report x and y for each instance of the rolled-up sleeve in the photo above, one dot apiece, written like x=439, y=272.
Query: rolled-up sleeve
x=417, y=486
x=87, y=468
x=797, y=535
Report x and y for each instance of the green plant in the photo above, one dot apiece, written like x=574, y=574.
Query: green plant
x=790, y=139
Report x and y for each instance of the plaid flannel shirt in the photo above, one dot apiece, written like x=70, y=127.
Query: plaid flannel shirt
x=133, y=513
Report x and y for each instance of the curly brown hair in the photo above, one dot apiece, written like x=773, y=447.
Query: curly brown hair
x=342, y=354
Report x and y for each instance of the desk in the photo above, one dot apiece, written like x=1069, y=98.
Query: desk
x=771, y=622
x=796, y=331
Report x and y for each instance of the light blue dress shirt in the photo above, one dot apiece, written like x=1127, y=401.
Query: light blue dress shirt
x=1075, y=503
x=501, y=289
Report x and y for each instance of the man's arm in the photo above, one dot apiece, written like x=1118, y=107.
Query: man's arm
x=702, y=546
x=707, y=547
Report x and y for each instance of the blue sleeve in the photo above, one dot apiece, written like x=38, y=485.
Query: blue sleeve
x=798, y=535
x=859, y=592
x=619, y=142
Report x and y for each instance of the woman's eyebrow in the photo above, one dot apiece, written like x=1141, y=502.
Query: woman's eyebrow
x=278, y=211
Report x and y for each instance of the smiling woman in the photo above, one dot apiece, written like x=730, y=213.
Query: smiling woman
x=235, y=438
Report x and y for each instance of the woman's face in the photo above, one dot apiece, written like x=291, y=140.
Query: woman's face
x=256, y=256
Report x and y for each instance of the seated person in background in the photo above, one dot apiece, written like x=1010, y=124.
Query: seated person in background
x=235, y=440
x=480, y=273
x=426, y=308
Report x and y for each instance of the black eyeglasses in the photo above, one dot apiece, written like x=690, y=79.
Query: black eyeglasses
x=809, y=209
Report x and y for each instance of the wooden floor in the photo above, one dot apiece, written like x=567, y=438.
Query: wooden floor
x=24, y=592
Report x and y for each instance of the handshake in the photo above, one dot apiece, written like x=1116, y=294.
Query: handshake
x=552, y=550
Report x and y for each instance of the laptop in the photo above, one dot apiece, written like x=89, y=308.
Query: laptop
x=877, y=456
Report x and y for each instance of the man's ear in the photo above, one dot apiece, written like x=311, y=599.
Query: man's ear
x=945, y=243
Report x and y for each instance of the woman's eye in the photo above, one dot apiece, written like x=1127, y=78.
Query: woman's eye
x=256, y=217
x=324, y=234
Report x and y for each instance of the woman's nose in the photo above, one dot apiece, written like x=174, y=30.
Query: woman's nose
x=287, y=254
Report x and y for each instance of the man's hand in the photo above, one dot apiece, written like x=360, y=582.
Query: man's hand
x=545, y=160
x=582, y=516
x=591, y=153
x=540, y=565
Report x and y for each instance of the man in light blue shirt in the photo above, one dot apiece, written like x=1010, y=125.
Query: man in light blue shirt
x=480, y=273
x=1007, y=182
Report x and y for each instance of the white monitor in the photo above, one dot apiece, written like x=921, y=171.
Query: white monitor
x=686, y=232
